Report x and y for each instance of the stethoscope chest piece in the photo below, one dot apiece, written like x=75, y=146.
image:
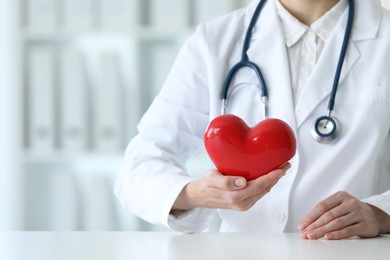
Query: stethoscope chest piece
x=326, y=129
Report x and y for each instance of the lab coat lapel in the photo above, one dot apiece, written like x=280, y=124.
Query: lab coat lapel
x=320, y=83
x=268, y=51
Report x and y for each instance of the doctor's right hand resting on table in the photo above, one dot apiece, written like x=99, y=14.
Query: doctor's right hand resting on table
x=226, y=192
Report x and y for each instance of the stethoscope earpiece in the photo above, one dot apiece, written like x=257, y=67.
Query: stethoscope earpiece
x=326, y=129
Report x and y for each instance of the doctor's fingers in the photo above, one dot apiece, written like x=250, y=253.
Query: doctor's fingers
x=369, y=224
x=354, y=223
x=266, y=182
x=308, y=222
x=334, y=220
x=232, y=183
x=263, y=185
x=244, y=199
x=247, y=203
x=217, y=180
x=350, y=218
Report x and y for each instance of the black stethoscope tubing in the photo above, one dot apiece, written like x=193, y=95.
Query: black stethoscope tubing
x=246, y=63
x=343, y=54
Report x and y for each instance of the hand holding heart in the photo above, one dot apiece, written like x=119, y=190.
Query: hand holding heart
x=215, y=190
x=252, y=161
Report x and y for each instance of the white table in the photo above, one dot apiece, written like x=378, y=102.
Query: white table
x=172, y=246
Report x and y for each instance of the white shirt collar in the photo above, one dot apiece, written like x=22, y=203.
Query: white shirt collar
x=293, y=29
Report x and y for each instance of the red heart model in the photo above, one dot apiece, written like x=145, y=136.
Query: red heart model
x=239, y=150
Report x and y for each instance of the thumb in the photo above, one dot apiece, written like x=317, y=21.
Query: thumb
x=224, y=182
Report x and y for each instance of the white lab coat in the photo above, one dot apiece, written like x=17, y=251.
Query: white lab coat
x=153, y=171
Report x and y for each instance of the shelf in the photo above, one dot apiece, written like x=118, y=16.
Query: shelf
x=140, y=33
x=61, y=157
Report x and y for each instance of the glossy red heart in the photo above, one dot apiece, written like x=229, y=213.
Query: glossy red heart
x=239, y=150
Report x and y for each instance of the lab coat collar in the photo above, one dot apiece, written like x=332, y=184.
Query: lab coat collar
x=323, y=27
x=368, y=16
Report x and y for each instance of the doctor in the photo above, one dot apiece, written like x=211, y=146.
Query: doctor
x=334, y=190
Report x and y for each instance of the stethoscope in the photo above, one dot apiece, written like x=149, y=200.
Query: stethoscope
x=326, y=128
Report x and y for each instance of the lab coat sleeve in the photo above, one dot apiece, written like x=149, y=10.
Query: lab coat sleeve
x=153, y=171
x=380, y=201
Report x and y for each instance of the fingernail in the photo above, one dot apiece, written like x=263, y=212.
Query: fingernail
x=329, y=236
x=302, y=226
x=240, y=182
x=285, y=166
x=312, y=236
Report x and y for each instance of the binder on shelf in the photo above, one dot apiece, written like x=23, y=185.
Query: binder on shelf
x=99, y=211
x=41, y=108
x=64, y=200
x=169, y=14
x=119, y=14
x=74, y=106
x=163, y=56
x=108, y=104
x=246, y=2
x=79, y=14
x=42, y=15
x=132, y=101
x=206, y=10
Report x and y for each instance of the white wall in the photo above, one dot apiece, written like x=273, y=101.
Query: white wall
x=10, y=184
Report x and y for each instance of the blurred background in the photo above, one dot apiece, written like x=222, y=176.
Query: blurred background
x=75, y=78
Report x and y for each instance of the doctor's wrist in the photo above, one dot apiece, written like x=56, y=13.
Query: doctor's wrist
x=183, y=202
x=383, y=219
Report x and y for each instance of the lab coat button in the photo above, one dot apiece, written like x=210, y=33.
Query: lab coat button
x=280, y=218
x=311, y=59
